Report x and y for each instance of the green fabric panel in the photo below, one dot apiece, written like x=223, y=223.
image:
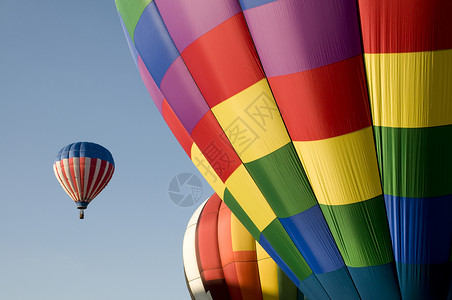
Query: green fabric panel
x=283, y=182
x=130, y=12
x=415, y=162
x=286, y=288
x=361, y=232
x=277, y=236
x=238, y=211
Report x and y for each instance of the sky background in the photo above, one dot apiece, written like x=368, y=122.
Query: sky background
x=66, y=75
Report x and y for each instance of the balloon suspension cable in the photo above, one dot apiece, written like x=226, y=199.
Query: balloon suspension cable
x=82, y=215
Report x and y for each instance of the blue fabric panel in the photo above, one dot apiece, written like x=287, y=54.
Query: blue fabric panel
x=312, y=288
x=339, y=284
x=376, y=282
x=82, y=204
x=132, y=48
x=313, y=239
x=421, y=228
x=247, y=4
x=85, y=149
x=154, y=43
x=269, y=248
x=418, y=282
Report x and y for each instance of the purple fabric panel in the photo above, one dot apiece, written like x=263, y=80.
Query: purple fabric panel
x=187, y=20
x=298, y=35
x=153, y=89
x=183, y=95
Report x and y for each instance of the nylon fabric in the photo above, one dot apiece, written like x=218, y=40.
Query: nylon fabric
x=415, y=162
x=268, y=274
x=342, y=170
x=192, y=274
x=323, y=102
x=208, y=253
x=410, y=90
x=187, y=21
x=283, y=182
x=320, y=54
x=361, y=239
x=405, y=25
x=313, y=239
x=153, y=43
x=205, y=64
x=316, y=33
x=83, y=170
x=250, y=198
x=209, y=238
x=370, y=280
x=421, y=229
x=238, y=257
x=223, y=62
x=130, y=12
x=407, y=44
x=252, y=123
x=150, y=84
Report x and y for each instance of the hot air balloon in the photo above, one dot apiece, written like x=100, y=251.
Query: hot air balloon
x=223, y=261
x=83, y=170
x=325, y=126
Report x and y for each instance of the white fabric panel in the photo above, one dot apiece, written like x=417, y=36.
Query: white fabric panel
x=78, y=186
x=86, y=176
x=61, y=179
x=189, y=256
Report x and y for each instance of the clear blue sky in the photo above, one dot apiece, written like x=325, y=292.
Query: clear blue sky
x=66, y=75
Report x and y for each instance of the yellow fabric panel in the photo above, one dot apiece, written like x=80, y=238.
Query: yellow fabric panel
x=242, y=240
x=207, y=171
x=342, y=169
x=250, y=198
x=268, y=274
x=410, y=89
x=252, y=122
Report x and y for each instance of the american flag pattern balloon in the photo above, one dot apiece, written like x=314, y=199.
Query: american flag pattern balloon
x=83, y=170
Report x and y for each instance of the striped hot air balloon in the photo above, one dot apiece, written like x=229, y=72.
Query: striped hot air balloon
x=83, y=170
x=324, y=125
x=223, y=261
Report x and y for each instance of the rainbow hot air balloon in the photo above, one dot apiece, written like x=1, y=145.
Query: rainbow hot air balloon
x=334, y=157
x=83, y=170
x=223, y=261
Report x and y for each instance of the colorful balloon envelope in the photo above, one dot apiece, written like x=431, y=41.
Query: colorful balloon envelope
x=223, y=261
x=83, y=170
x=325, y=126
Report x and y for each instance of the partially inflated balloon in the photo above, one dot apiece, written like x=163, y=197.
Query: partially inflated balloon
x=223, y=261
x=83, y=170
x=270, y=101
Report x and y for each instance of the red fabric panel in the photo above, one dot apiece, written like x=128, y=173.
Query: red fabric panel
x=73, y=196
x=239, y=267
x=101, y=180
x=224, y=235
x=73, y=175
x=394, y=26
x=207, y=250
x=92, y=171
x=226, y=253
x=248, y=276
x=215, y=146
x=177, y=128
x=224, y=61
x=324, y=102
x=107, y=177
